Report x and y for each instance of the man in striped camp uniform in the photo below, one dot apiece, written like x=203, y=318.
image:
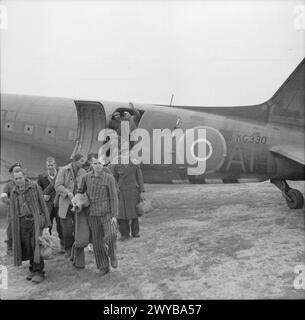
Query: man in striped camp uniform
x=30, y=215
x=5, y=198
x=102, y=215
x=88, y=168
x=88, y=164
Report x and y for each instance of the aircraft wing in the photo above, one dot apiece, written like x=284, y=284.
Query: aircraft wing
x=292, y=152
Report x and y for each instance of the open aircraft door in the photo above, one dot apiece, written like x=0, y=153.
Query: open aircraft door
x=91, y=120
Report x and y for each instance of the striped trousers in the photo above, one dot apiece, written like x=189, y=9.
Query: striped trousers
x=103, y=239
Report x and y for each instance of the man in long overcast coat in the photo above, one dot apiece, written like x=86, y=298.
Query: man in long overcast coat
x=130, y=184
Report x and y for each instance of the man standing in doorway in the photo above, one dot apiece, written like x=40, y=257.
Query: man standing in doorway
x=115, y=122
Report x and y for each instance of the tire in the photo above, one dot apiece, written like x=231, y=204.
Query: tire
x=297, y=199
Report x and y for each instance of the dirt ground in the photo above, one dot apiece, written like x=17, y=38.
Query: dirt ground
x=227, y=241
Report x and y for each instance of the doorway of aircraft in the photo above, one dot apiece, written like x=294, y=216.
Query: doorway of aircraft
x=91, y=120
x=135, y=113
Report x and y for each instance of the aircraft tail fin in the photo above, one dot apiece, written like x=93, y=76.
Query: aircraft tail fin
x=287, y=104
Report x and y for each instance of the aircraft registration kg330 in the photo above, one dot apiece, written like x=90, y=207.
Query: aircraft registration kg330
x=260, y=142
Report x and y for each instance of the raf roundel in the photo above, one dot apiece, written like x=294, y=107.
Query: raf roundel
x=214, y=144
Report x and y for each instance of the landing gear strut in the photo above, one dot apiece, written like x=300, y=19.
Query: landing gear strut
x=293, y=197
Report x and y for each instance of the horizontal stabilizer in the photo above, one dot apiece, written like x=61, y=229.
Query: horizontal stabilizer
x=292, y=152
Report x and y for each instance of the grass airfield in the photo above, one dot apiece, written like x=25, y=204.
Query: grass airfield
x=224, y=241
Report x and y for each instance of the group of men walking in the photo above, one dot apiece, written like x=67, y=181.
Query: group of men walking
x=112, y=195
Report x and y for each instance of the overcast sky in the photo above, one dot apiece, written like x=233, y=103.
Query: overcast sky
x=206, y=53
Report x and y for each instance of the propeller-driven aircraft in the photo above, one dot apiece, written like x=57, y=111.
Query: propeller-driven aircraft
x=250, y=143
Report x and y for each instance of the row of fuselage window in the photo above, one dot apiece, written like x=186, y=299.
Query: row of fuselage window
x=28, y=129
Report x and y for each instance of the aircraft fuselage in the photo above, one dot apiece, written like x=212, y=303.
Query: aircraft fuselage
x=33, y=128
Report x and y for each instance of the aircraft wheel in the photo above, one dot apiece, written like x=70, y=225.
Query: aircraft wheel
x=297, y=199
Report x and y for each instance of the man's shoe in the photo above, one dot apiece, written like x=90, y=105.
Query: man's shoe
x=136, y=235
x=62, y=249
x=9, y=247
x=104, y=271
x=123, y=238
x=77, y=267
x=68, y=254
x=114, y=263
x=38, y=278
x=30, y=275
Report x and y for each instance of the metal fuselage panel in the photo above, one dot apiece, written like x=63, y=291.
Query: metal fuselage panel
x=35, y=127
x=248, y=143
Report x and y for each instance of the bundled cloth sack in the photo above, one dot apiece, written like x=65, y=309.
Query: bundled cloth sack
x=45, y=246
x=80, y=204
x=144, y=206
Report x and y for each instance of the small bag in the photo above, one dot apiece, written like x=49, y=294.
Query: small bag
x=45, y=245
x=144, y=206
x=80, y=201
x=80, y=204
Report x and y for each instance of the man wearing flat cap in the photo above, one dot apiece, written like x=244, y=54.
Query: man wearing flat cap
x=5, y=198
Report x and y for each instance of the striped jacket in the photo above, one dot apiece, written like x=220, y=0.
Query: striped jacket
x=102, y=193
